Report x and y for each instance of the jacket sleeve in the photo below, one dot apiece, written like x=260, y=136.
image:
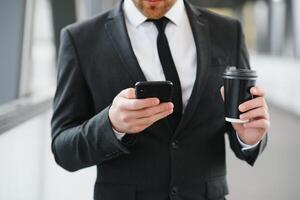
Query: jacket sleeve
x=80, y=137
x=242, y=61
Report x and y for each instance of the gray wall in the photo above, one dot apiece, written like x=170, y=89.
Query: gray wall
x=11, y=36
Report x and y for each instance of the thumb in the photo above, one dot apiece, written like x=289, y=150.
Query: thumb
x=222, y=92
x=128, y=93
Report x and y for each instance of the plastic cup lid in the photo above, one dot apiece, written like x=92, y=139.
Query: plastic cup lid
x=238, y=72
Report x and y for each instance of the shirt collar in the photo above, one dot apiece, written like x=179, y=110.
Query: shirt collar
x=136, y=18
x=175, y=14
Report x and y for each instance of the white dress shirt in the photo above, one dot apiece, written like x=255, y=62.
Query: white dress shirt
x=143, y=36
x=181, y=42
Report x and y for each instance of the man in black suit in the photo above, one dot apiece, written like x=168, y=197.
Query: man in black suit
x=145, y=149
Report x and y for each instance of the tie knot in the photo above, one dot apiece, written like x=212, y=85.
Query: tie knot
x=160, y=23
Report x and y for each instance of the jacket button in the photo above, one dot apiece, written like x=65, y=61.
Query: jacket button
x=175, y=145
x=174, y=190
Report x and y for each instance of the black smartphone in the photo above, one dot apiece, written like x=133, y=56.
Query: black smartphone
x=163, y=90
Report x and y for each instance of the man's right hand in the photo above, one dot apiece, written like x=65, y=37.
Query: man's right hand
x=131, y=115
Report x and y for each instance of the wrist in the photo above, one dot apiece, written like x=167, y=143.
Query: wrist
x=112, y=123
x=245, y=146
x=248, y=140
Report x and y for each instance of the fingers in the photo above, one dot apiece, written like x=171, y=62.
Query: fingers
x=147, y=121
x=147, y=112
x=137, y=104
x=259, y=101
x=252, y=104
x=257, y=91
x=129, y=101
x=222, y=92
x=128, y=93
x=256, y=112
x=258, y=124
x=132, y=116
x=135, y=125
x=260, y=112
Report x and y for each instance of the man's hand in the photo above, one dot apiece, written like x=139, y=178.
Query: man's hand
x=130, y=115
x=256, y=111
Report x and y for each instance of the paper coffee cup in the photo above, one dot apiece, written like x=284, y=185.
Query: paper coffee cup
x=237, y=85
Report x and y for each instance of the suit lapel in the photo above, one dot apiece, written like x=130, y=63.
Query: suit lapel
x=117, y=32
x=200, y=31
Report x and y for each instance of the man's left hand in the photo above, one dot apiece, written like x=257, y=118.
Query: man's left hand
x=256, y=112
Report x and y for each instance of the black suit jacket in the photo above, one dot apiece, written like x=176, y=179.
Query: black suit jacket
x=95, y=63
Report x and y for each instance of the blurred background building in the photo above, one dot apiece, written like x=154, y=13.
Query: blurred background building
x=29, y=39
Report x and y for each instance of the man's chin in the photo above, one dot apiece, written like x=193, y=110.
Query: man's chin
x=153, y=12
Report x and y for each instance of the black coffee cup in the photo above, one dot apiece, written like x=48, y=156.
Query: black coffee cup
x=237, y=85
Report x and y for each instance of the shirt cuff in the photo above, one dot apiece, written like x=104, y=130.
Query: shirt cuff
x=118, y=134
x=246, y=146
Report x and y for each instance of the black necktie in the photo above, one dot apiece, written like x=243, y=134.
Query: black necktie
x=169, y=69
